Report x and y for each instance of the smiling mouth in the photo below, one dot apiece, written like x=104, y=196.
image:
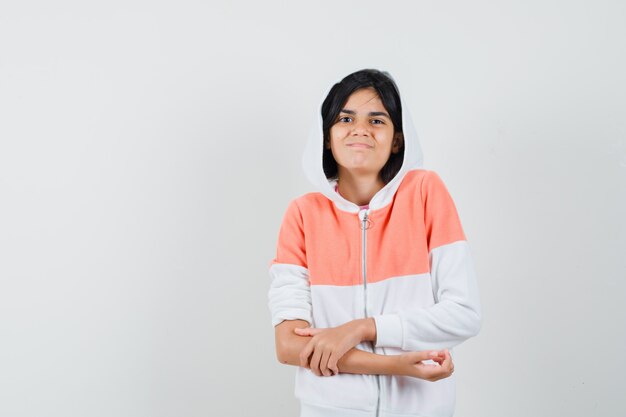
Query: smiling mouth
x=359, y=145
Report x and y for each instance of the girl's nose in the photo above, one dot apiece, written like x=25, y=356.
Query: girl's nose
x=360, y=128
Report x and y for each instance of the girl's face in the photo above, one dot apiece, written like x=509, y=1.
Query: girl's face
x=362, y=138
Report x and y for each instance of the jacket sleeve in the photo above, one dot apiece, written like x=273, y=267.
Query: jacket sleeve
x=456, y=314
x=289, y=295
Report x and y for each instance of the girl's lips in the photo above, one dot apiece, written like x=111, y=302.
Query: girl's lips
x=359, y=145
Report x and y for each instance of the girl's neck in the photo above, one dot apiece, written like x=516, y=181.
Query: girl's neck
x=359, y=190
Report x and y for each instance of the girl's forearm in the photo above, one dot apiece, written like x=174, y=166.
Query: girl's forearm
x=355, y=361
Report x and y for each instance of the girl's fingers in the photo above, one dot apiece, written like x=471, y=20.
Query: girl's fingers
x=307, y=331
x=315, y=362
x=324, y=364
x=305, y=354
x=448, y=359
x=447, y=363
x=429, y=372
x=332, y=363
x=420, y=355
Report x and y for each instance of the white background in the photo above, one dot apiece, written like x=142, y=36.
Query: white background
x=148, y=151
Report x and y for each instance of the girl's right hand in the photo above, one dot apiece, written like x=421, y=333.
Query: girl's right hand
x=411, y=364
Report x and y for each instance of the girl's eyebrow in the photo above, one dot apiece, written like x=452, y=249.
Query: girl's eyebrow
x=372, y=113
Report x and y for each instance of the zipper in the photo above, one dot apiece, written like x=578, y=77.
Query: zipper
x=364, y=262
x=365, y=223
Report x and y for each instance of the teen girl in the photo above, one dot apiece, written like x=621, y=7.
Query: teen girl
x=373, y=281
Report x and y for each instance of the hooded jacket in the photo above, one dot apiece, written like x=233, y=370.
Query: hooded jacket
x=404, y=260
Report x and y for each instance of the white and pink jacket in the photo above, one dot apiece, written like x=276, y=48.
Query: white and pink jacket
x=404, y=260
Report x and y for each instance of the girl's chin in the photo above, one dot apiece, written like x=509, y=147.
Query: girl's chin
x=361, y=169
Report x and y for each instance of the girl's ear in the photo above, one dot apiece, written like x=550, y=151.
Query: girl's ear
x=398, y=142
x=326, y=143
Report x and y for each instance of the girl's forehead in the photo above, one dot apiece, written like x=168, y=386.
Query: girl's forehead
x=363, y=98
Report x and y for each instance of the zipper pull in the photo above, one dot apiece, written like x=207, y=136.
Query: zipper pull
x=365, y=222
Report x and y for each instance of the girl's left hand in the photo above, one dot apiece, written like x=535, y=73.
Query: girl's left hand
x=328, y=345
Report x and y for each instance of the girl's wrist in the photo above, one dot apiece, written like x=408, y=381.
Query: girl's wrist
x=396, y=366
x=368, y=330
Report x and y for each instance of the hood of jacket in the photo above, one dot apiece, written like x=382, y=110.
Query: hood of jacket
x=314, y=171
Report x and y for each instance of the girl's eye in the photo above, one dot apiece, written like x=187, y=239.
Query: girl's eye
x=377, y=121
x=345, y=119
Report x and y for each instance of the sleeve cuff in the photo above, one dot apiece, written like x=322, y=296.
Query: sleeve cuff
x=388, y=331
x=294, y=314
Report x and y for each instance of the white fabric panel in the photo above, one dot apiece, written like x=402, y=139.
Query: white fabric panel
x=335, y=305
x=289, y=294
x=353, y=391
x=392, y=296
x=455, y=315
